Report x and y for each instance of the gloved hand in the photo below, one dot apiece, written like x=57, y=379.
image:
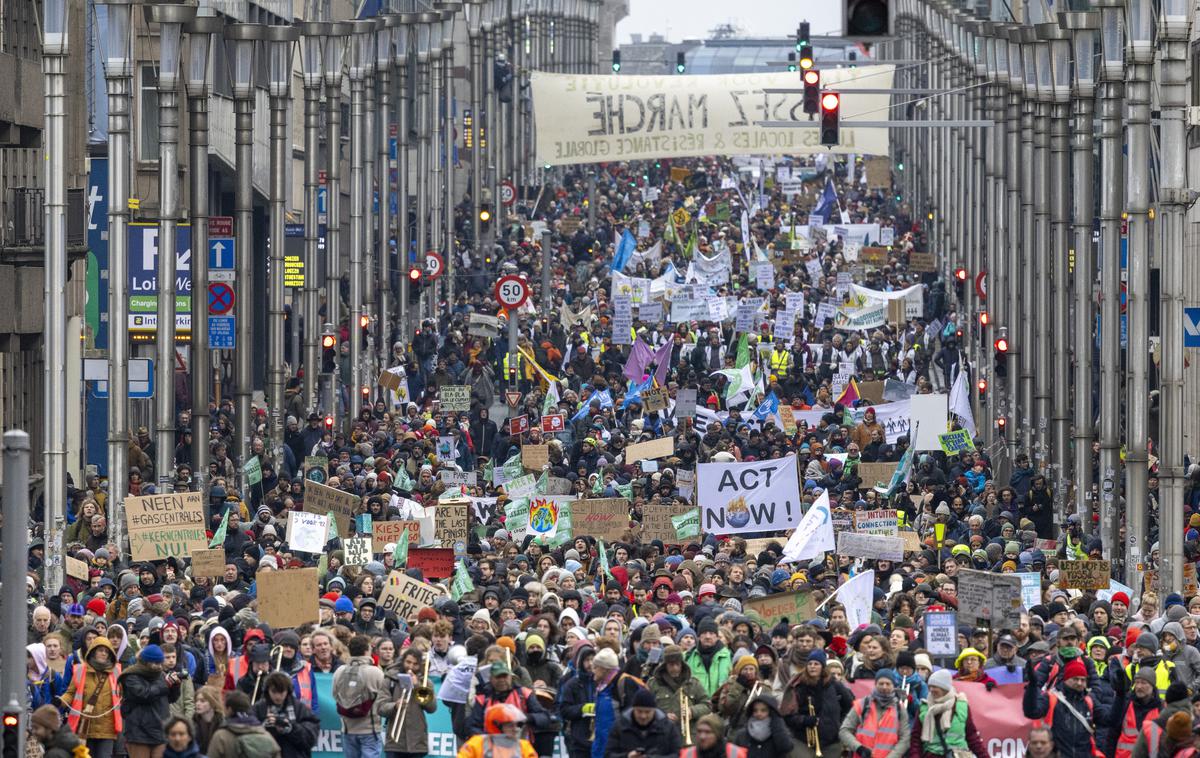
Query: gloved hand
x=589, y=710
x=990, y=685
x=863, y=751
x=808, y=721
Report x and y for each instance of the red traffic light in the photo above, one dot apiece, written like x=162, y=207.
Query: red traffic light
x=364, y=321
x=414, y=274
x=366, y=391
x=830, y=101
x=1001, y=423
x=329, y=422
x=982, y=385
x=11, y=720
x=960, y=274
x=812, y=76
x=328, y=341
x=984, y=318
x=1001, y=344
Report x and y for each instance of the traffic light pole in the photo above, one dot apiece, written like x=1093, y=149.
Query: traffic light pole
x=15, y=538
x=403, y=158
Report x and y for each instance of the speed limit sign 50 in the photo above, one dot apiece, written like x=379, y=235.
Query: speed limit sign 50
x=511, y=292
x=434, y=264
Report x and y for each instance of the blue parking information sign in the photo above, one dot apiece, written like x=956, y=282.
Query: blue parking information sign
x=1191, y=327
x=221, y=334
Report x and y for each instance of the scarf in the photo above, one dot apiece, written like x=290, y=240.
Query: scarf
x=884, y=701
x=759, y=729
x=941, y=711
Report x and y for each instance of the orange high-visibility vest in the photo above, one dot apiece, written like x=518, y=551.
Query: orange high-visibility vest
x=731, y=751
x=77, y=704
x=304, y=681
x=1048, y=720
x=240, y=666
x=878, y=733
x=1130, y=731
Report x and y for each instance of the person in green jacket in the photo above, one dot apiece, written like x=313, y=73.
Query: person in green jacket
x=710, y=661
x=672, y=684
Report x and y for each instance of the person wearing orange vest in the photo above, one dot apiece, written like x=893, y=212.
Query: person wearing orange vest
x=709, y=735
x=93, y=699
x=877, y=726
x=1130, y=711
x=300, y=670
x=1173, y=740
x=239, y=665
x=503, y=726
x=1153, y=731
x=1069, y=712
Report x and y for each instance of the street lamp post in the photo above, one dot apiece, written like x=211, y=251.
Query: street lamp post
x=999, y=272
x=117, y=55
x=384, y=42
x=474, y=10
x=428, y=26
x=315, y=39
x=362, y=59
x=1112, y=201
x=281, y=49
x=1083, y=26
x=449, y=251
x=55, y=48
x=170, y=20
x=245, y=39
x=336, y=44
x=1139, y=57
x=1174, y=29
x=1037, y=79
x=1029, y=177
x=201, y=32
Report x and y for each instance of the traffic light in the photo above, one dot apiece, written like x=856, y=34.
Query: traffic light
x=867, y=19
x=364, y=321
x=12, y=734
x=328, y=422
x=806, y=57
x=982, y=386
x=960, y=283
x=1001, y=425
x=812, y=91
x=485, y=218
x=985, y=319
x=616, y=61
x=414, y=285
x=831, y=103
x=680, y=63
x=502, y=79
x=328, y=351
x=792, y=63
x=1001, y=355
x=802, y=35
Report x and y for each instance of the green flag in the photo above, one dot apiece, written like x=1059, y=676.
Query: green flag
x=253, y=471
x=323, y=566
x=598, y=487
x=488, y=471
x=219, y=535
x=400, y=553
x=403, y=482
x=462, y=583
x=331, y=531
x=743, y=352
x=687, y=525
x=603, y=559
x=513, y=467
x=543, y=483
x=625, y=490
x=551, y=401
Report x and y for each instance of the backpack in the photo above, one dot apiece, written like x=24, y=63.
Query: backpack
x=350, y=692
x=256, y=745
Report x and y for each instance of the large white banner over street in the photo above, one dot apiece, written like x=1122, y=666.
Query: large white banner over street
x=760, y=496
x=591, y=119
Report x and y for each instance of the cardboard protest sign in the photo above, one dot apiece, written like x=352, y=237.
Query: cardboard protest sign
x=457, y=478
x=455, y=398
x=287, y=599
x=685, y=403
x=658, y=522
x=987, y=598
x=316, y=468
x=875, y=473
x=558, y=485
x=662, y=447
x=759, y=496
x=912, y=541
x=307, y=532
x=794, y=606
x=654, y=399
x=452, y=526
x=873, y=546
x=886, y=523
x=357, y=551
x=923, y=263
x=554, y=423
x=384, y=533
x=535, y=457
x=434, y=562
x=872, y=392
x=390, y=381
x=406, y=596
x=1084, y=575
x=77, y=569
x=788, y=417
x=319, y=498
x=165, y=526
x=603, y=518
x=208, y=562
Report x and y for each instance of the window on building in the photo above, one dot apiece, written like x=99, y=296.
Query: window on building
x=148, y=146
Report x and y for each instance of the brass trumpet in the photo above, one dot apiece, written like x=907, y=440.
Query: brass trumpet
x=814, y=737
x=423, y=693
x=685, y=717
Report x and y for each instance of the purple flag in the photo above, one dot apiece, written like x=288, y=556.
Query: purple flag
x=662, y=361
x=639, y=357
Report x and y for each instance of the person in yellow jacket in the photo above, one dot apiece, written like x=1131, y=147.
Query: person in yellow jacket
x=502, y=724
x=93, y=699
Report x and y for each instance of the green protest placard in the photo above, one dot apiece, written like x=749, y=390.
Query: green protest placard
x=956, y=442
x=252, y=471
x=687, y=525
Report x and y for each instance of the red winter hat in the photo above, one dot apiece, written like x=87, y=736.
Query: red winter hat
x=1120, y=596
x=1074, y=668
x=96, y=606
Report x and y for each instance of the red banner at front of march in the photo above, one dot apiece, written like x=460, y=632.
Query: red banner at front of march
x=997, y=715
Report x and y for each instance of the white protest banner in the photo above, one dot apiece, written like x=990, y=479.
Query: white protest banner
x=453, y=478
x=589, y=119
x=825, y=312
x=875, y=546
x=651, y=312
x=456, y=686
x=858, y=595
x=638, y=289
x=455, y=398
x=307, y=532
x=884, y=522
x=870, y=316
x=930, y=413
x=764, y=275
x=1031, y=588
x=813, y=536
x=794, y=302
x=760, y=496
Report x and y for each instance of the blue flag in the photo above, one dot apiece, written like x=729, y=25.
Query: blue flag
x=767, y=408
x=635, y=392
x=624, y=251
x=828, y=201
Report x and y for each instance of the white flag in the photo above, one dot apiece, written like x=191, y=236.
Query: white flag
x=960, y=403
x=813, y=536
x=857, y=595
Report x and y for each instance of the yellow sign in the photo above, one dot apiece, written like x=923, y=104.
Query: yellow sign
x=293, y=271
x=681, y=217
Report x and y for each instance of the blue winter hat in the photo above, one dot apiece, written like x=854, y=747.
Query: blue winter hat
x=1173, y=599
x=344, y=605
x=151, y=654
x=888, y=674
x=779, y=576
x=818, y=656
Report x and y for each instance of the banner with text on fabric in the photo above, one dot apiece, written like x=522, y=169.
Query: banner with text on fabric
x=591, y=119
x=760, y=496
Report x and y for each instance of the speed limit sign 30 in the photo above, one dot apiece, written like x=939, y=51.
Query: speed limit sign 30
x=511, y=292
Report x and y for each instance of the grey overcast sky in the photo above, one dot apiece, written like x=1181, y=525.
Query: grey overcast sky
x=692, y=19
